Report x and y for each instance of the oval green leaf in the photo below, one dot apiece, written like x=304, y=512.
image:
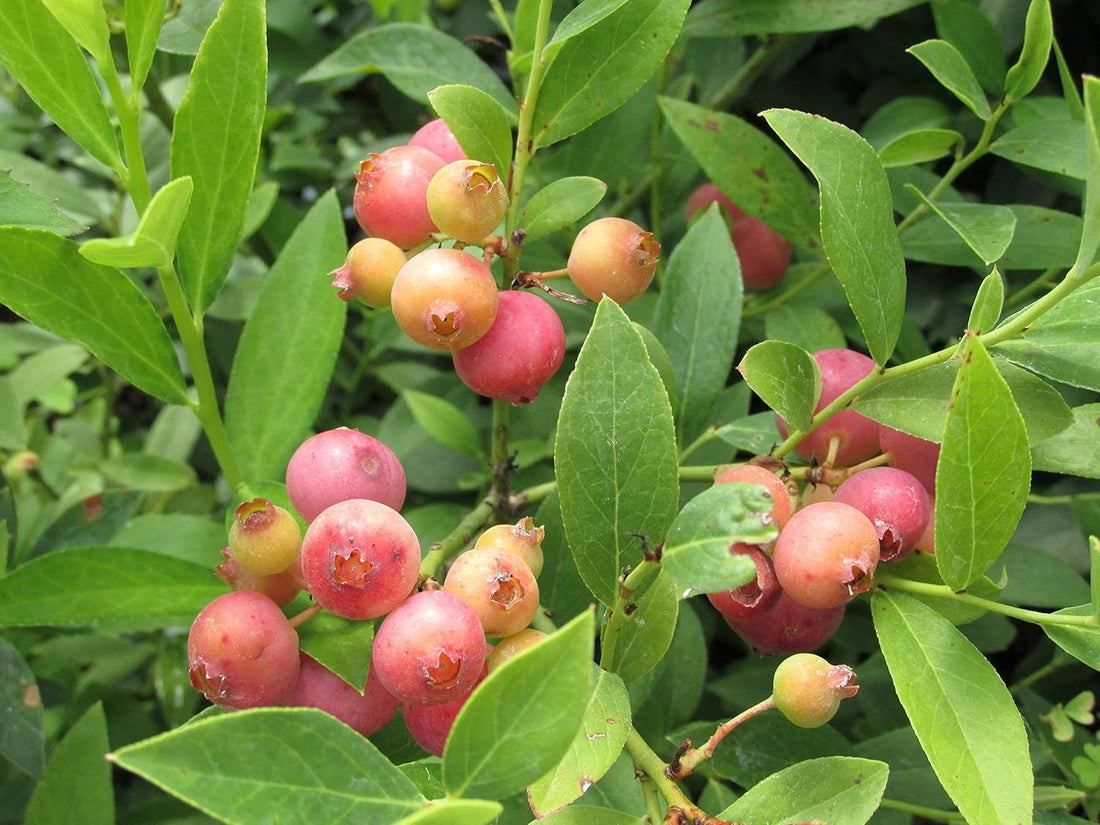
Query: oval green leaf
x=646, y=632
x=86, y=21
x=963, y=714
x=559, y=204
x=143, y=22
x=455, y=812
x=1054, y=145
x=954, y=74
x=444, y=422
x=1038, y=37
x=153, y=243
x=24, y=743
x=774, y=16
x=986, y=310
x=21, y=206
x=985, y=227
x=77, y=776
x=919, y=147
x=786, y=378
x=1074, y=451
x=479, y=123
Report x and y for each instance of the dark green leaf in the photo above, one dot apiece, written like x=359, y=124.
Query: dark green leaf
x=750, y=169
x=902, y=116
x=127, y=588
x=559, y=204
x=342, y=645
x=985, y=228
x=143, y=22
x=697, y=549
x=954, y=74
x=968, y=28
x=581, y=18
x=986, y=310
x=1036, y=578
x=769, y=745
x=44, y=279
x=76, y=788
x=1038, y=35
x=13, y=432
x=444, y=422
x=646, y=633
x=254, y=767
x=298, y=309
x=919, y=147
x=1053, y=145
x=521, y=720
x=216, y=140
x=150, y=473
x=857, y=224
x=594, y=749
x=786, y=378
x=19, y=206
x=805, y=325
x=479, y=123
x=984, y=471
x=756, y=433
x=1074, y=451
x=600, y=68
x=45, y=60
x=773, y=16
x=839, y=790
x=153, y=243
x=23, y=743
x=698, y=318
x=1090, y=233
x=414, y=58
x=962, y=712
x=615, y=453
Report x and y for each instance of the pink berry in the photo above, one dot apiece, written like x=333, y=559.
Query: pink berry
x=522, y=538
x=755, y=474
x=912, y=454
x=895, y=502
x=430, y=725
x=336, y=465
x=444, y=298
x=391, y=195
x=498, y=585
x=318, y=687
x=788, y=626
x=613, y=257
x=754, y=596
x=520, y=352
x=436, y=136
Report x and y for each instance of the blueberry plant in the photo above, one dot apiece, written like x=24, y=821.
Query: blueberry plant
x=606, y=412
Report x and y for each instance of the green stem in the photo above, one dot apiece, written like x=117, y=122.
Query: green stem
x=697, y=472
x=934, y=814
x=709, y=434
x=206, y=409
x=768, y=52
x=532, y=495
x=500, y=461
x=648, y=762
x=1037, y=285
x=692, y=758
x=458, y=538
x=1023, y=614
x=502, y=19
x=621, y=611
x=128, y=110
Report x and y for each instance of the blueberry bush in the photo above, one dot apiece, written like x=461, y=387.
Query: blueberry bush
x=430, y=411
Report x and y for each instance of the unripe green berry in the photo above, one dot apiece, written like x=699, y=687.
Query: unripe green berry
x=369, y=271
x=467, y=200
x=522, y=538
x=264, y=538
x=808, y=690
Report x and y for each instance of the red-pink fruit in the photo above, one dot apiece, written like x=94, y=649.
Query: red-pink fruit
x=341, y=464
x=360, y=559
x=754, y=596
x=755, y=474
x=368, y=272
x=912, y=454
x=444, y=298
x=613, y=257
x=430, y=725
x=318, y=687
x=522, y=538
x=436, y=136
x=242, y=651
x=498, y=585
x=788, y=626
x=764, y=254
x=808, y=690
x=826, y=554
x=895, y=502
x=430, y=649
x=520, y=352
x=857, y=434
x=467, y=200
x=281, y=588
x=264, y=538
x=391, y=191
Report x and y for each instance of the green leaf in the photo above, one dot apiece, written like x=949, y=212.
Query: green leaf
x=455, y=812
x=86, y=21
x=444, y=422
x=985, y=227
x=919, y=147
x=961, y=711
x=20, y=206
x=954, y=74
x=1090, y=233
x=153, y=243
x=591, y=815
x=773, y=16
x=1064, y=343
x=479, y=123
x=756, y=433
x=44, y=279
x=921, y=567
x=1074, y=451
x=148, y=473
x=521, y=720
x=126, y=588
x=216, y=140
x=416, y=59
x=143, y=22
x=23, y=743
x=1037, y=578
x=857, y=223
x=968, y=28
x=76, y=787
x=805, y=325
x=13, y=431
x=596, y=746
x=984, y=471
x=749, y=167
x=986, y=310
x=559, y=204
x=786, y=378
x=697, y=549
x=615, y=452
x=767, y=746
x=45, y=60
x=297, y=308
x=1054, y=145
x=647, y=631
x=1038, y=36
x=698, y=319
x=598, y=69
x=342, y=645
x=252, y=767
x=839, y=790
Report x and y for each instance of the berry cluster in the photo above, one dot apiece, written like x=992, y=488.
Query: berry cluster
x=413, y=199
x=834, y=534
x=359, y=558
